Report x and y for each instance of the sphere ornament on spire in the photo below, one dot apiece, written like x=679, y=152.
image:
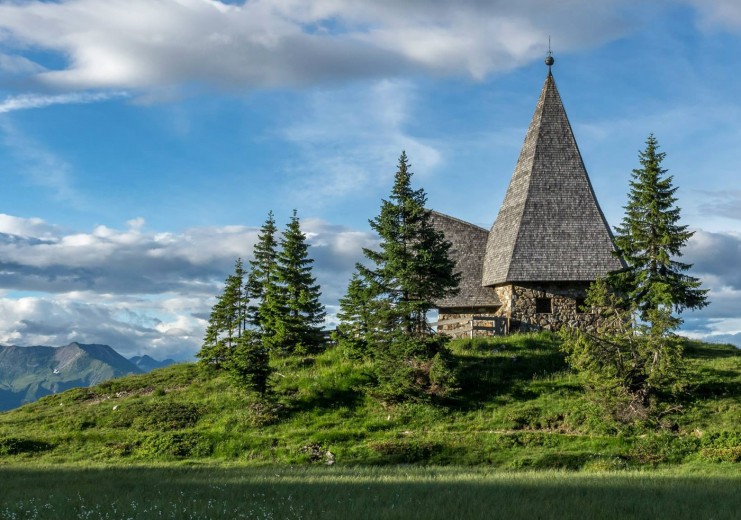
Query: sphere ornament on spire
x=549, y=60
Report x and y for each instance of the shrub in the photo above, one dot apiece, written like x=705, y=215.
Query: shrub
x=16, y=446
x=179, y=445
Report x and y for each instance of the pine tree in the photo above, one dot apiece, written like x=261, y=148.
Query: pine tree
x=411, y=270
x=249, y=363
x=227, y=321
x=650, y=239
x=634, y=357
x=264, y=311
x=353, y=334
x=299, y=329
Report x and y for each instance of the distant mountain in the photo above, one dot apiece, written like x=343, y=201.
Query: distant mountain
x=29, y=373
x=147, y=364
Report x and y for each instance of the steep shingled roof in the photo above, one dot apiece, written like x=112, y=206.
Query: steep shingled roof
x=550, y=226
x=469, y=247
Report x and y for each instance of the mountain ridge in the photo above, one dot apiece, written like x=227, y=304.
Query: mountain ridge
x=31, y=372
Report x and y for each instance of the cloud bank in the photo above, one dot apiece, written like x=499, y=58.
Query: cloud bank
x=129, y=44
x=139, y=291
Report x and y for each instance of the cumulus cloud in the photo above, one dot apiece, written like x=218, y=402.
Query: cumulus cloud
x=266, y=43
x=715, y=258
x=139, y=291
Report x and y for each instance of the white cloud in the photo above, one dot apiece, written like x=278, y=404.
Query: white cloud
x=28, y=101
x=138, y=291
x=265, y=43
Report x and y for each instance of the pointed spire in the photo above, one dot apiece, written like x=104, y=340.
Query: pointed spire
x=550, y=226
x=549, y=60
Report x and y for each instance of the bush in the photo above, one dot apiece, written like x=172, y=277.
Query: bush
x=157, y=416
x=406, y=451
x=16, y=446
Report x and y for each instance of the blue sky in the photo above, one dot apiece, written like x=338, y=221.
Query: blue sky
x=142, y=142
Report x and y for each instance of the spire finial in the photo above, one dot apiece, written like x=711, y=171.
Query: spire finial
x=549, y=59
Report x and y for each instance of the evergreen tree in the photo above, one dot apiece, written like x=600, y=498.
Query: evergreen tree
x=227, y=321
x=650, y=240
x=264, y=312
x=634, y=356
x=249, y=363
x=353, y=334
x=411, y=270
x=302, y=314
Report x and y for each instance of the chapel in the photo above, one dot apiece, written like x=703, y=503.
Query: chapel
x=549, y=241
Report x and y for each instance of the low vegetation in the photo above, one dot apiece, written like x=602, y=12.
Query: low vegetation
x=518, y=407
x=359, y=493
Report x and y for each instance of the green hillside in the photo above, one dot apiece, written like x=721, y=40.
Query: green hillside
x=518, y=407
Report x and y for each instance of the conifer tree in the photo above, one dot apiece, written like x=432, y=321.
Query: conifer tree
x=227, y=321
x=264, y=311
x=249, y=363
x=650, y=239
x=634, y=356
x=353, y=334
x=411, y=270
x=302, y=314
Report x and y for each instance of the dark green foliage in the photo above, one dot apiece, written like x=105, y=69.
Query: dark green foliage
x=385, y=309
x=650, y=239
x=265, y=307
x=249, y=366
x=16, y=446
x=300, y=314
x=156, y=415
x=227, y=322
x=625, y=365
x=634, y=361
x=353, y=334
x=412, y=268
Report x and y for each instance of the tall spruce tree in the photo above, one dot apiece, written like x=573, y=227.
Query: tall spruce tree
x=227, y=322
x=634, y=357
x=265, y=309
x=302, y=314
x=353, y=334
x=650, y=239
x=411, y=270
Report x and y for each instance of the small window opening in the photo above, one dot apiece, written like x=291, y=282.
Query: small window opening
x=581, y=306
x=544, y=305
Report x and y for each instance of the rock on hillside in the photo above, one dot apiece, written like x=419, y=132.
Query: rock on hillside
x=28, y=373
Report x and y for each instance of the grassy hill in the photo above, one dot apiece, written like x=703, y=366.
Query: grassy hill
x=518, y=407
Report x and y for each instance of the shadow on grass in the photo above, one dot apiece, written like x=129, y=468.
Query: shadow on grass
x=506, y=371
x=328, y=398
x=697, y=350
x=360, y=493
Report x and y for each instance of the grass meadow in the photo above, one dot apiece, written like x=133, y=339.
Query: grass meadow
x=276, y=492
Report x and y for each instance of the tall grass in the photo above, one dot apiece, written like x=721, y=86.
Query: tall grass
x=359, y=493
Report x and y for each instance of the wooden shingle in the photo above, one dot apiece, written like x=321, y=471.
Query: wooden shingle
x=468, y=250
x=550, y=226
